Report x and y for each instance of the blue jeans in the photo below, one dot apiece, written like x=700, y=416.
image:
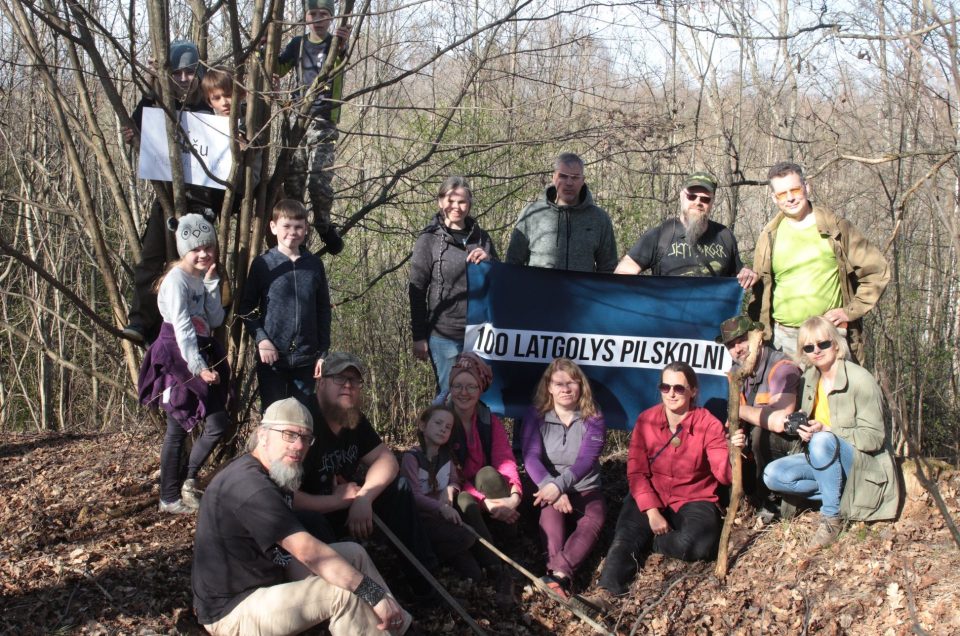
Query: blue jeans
x=443, y=353
x=820, y=479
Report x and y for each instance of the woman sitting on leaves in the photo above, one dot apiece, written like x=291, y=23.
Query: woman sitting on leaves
x=678, y=456
x=847, y=464
x=563, y=436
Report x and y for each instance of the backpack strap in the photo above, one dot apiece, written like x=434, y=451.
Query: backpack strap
x=485, y=429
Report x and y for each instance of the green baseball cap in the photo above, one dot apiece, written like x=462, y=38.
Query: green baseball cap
x=700, y=180
x=733, y=328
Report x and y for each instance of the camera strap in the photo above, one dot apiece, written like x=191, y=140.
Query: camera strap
x=675, y=436
x=836, y=453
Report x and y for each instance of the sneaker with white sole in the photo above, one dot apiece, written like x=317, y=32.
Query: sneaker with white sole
x=189, y=493
x=178, y=507
x=134, y=332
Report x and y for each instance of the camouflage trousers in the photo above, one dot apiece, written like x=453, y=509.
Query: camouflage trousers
x=311, y=167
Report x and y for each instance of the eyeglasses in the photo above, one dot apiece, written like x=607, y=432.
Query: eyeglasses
x=291, y=436
x=704, y=198
x=792, y=193
x=341, y=380
x=823, y=345
x=465, y=388
x=679, y=389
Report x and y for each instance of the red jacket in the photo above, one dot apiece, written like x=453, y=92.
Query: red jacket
x=679, y=474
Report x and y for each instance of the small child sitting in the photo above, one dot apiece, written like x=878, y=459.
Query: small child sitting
x=435, y=479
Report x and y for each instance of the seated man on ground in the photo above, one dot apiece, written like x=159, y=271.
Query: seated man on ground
x=330, y=500
x=255, y=568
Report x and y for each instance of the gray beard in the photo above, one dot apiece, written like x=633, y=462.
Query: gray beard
x=286, y=476
x=695, y=225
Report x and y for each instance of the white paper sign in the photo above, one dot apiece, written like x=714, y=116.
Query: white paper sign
x=208, y=134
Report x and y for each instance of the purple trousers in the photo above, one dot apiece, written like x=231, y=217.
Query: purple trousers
x=566, y=553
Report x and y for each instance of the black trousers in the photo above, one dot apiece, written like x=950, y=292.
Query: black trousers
x=694, y=535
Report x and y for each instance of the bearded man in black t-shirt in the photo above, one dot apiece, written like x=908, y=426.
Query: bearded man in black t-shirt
x=333, y=499
x=690, y=244
x=255, y=568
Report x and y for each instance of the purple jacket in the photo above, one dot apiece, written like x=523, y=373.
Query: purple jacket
x=566, y=456
x=166, y=382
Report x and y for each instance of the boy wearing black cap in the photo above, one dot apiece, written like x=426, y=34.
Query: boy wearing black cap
x=186, y=72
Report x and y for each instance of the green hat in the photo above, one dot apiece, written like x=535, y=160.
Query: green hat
x=733, y=328
x=339, y=361
x=288, y=411
x=322, y=4
x=701, y=180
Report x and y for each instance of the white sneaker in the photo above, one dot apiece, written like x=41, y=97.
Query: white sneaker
x=189, y=494
x=178, y=507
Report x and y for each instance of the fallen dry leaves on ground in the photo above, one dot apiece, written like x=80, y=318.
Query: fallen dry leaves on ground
x=84, y=550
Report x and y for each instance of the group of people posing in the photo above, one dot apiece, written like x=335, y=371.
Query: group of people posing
x=270, y=555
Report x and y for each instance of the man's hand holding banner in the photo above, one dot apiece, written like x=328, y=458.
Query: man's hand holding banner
x=622, y=330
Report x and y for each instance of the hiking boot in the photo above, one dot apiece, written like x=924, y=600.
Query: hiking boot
x=189, y=494
x=602, y=600
x=135, y=333
x=827, y=532
x=178, y=507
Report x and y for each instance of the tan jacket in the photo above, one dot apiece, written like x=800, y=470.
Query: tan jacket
x=864, y=273
x=872, y=489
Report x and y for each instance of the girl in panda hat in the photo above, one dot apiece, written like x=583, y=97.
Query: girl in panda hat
x=185, y=370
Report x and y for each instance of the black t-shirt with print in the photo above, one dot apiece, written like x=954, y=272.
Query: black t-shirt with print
x=665, y=251
x=336, y=455
x=243, y=517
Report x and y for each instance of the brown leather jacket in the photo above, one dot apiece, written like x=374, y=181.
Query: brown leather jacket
x=864, y=272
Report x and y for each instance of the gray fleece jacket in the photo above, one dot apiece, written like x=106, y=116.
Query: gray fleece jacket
x=571, y=237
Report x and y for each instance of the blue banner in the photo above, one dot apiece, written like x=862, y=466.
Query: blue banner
x=621, y=330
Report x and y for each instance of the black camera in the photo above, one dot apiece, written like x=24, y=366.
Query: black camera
x=794, y=421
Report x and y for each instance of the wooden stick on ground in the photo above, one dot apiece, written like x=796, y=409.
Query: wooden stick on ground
x=540, y=585
x=755, y=341
x=426, y=574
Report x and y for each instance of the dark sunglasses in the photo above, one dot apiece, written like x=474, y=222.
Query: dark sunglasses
x=705, y=199
x=679, y=389
x=823, y=345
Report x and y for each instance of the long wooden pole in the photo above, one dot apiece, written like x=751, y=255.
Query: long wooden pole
x=430, y=579
x=754, y=340
x=540, y=585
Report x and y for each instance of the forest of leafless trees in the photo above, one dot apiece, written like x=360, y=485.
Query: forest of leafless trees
x=864, y=94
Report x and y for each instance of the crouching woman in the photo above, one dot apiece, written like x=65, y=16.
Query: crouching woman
x=847, y=464
x=678, y=456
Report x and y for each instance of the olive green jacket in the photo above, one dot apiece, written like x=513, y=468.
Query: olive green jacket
x=864, y=273
x=872, y=490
